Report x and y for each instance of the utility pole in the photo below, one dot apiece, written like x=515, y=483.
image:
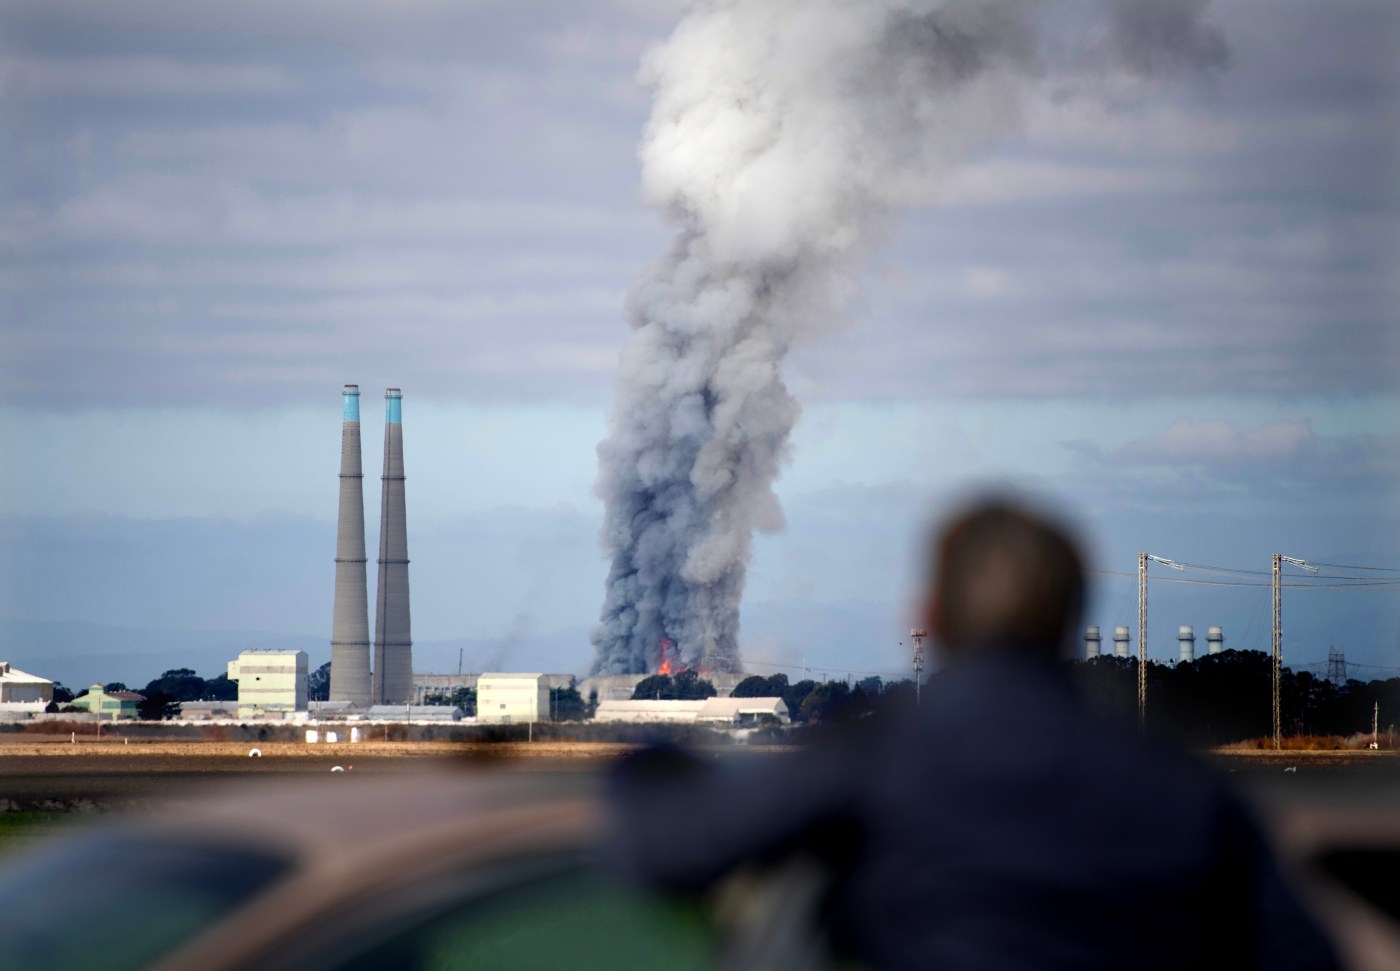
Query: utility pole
x=1375, y=724
x=1277, y=660
x=918, y=634
x=1142, y=641
x=1142, y=628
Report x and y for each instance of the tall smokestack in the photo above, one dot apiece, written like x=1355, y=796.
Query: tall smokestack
x=350, y=617
x=393, y=643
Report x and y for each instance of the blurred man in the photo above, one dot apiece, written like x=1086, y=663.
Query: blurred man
x=1003, y=824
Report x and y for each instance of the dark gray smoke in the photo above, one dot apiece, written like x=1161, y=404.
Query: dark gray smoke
x=784, y=136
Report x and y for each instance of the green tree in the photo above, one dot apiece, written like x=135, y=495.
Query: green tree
x=682, y=686
x=318, y=683
x=567, y=705
x=181, y=684
x=827, y=702
x=795, y=695
x=463, y=698
x=115, y=686
x=158, y=706
x=220, y=689
x=61, y=694
x=754, y=686
x=691, y=687
x=655, y=688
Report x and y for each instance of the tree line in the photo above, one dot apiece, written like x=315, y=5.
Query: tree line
x=1214, y=700
x=1228, y=697
x=807, y=701
x=163, y=695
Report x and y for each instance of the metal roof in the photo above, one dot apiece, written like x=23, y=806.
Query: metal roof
x=15, y=676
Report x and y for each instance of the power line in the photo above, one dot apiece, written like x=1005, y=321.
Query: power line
x=800, y=667
x=1353, y=566
x=1297, y=583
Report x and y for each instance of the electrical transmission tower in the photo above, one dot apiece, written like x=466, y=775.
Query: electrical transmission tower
x=1142, y=640
x=1337, y=666
x=918, y=634
x=1277, y=660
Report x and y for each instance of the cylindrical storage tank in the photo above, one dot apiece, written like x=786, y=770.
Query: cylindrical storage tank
x=1215, y=640
x=1093, y=641
x=1121, y=638
x=1186, y=640
x=354, y=734
x=312, y=736
x=331, y=737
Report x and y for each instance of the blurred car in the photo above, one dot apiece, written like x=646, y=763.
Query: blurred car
x=457, y=870
x=433, y=871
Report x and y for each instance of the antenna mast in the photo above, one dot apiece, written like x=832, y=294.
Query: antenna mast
x=1142, y=640
x=918, y=634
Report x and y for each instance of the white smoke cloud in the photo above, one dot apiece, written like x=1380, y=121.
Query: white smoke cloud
x=784, y=137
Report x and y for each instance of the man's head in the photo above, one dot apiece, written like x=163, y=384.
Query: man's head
x=1003, y=576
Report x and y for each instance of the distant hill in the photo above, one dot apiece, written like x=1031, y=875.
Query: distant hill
x=79, y=653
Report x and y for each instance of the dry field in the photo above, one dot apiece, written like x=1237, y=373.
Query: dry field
x=57, y=775
x=1361, y=759
x=54, y=747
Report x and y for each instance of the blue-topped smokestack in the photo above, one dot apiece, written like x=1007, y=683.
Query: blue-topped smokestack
x=393, y=641
x=350, y=679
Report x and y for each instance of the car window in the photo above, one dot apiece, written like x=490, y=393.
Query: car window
x=580, y=918
x=119, y=900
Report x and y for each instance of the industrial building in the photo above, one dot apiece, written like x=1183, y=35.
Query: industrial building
x=714, y=712
x=427, y=685
x=208, y=710
x=109, y=704
x=512, y=699
x=21, y=692
x=1186, y=642
x=270, y=682
x=610, y=687
x=413, y=713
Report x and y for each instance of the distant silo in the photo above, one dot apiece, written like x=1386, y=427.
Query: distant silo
x=1093, y=641
x=1215, y=640
x=1120, y=641
x=350, y=615
x=393, y=641
x=1186, y=640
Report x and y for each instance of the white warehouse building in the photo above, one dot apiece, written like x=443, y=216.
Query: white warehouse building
x=714, y=712
x=270, y=682
x=512, y=699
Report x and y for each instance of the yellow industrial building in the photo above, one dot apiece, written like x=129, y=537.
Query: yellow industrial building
x=512, y=699
x=270, y=682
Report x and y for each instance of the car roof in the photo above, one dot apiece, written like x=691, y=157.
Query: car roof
x=354, y=839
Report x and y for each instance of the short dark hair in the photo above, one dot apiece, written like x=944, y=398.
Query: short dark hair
x=1002, y=573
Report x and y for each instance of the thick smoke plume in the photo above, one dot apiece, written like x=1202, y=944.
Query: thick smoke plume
x=784, y=137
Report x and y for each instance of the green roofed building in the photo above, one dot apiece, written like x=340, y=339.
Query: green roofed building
x=109, y=704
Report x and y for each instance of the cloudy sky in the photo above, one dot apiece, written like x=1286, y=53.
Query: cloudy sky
x=1176, y=318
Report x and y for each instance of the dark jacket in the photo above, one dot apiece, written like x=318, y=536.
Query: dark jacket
x=1002, y=825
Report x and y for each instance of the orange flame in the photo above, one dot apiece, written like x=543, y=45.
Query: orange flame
x=665, y=666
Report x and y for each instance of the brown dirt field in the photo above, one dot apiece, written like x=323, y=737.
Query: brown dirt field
x=1358, y=757
x=56, y=775
x=92, y=748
